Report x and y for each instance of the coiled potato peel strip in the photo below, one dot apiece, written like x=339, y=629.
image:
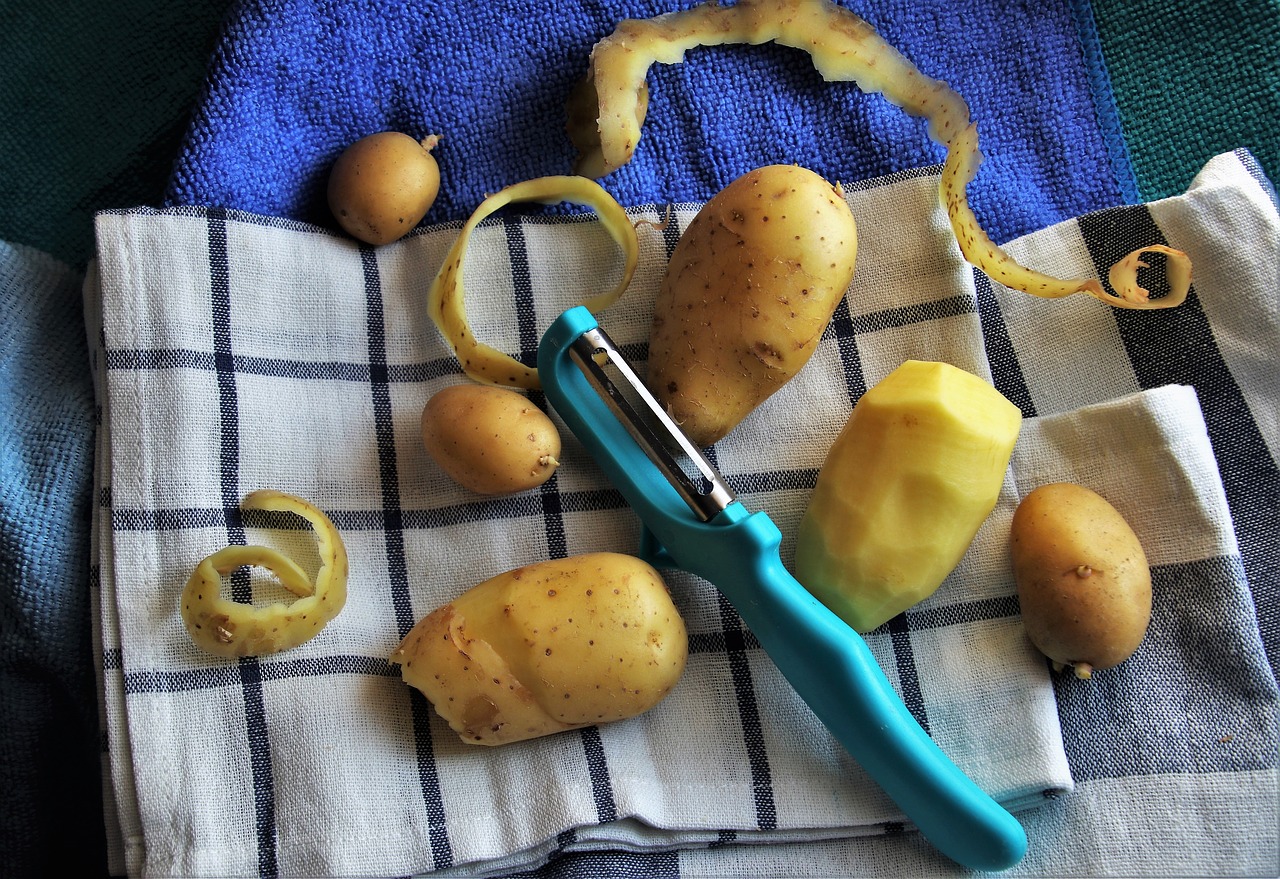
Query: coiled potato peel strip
x=607, y=109
x=231, y=629
x=445, y=300
x=1124, y=276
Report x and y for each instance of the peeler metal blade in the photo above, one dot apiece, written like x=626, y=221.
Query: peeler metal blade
x=658, y=436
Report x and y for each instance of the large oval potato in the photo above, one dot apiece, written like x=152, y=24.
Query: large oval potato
x=749, y=290
x=490, y=440
x=1082, y=577
x=549, y=647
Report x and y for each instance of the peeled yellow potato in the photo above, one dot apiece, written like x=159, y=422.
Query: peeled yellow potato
x=548, y=647
x=1082, y=576
x=490, y=440
x=904, y=489
x=749, y=290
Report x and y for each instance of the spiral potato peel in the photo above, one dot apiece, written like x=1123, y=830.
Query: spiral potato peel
x=231, y=629
x=446, y=299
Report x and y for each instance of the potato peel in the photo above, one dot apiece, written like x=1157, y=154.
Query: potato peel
x=963, y=159
x=607, y=109
x=231, y=629
x=446, y=298
x=1124, y=278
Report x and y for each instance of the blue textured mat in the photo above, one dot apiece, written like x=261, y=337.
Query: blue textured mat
x=297, y=80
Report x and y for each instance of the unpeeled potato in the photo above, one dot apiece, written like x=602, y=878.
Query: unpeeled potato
x=548, y=647
x=491, y=440
x=749, y=290
x=383, y=185
x=1082, y=578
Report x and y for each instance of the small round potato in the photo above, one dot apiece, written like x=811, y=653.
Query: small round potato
x=383, y=185
x=490, y=440
x=1082, y=578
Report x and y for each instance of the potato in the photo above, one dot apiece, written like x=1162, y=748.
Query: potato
x=746, y=296
x=490, y=440
x=1082, y=578
x=905, y=487
x=383, y=185
x=548, y=647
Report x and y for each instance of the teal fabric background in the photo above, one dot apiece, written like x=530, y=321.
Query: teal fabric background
x=94, y=101
x=1191, y=80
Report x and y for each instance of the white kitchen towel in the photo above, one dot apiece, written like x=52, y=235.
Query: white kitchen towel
x=1173, y=753
x=237, y=352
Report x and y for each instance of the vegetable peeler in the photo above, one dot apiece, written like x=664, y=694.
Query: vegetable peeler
x=693, y=522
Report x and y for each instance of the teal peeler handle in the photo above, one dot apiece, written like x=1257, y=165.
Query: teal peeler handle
x=832, y=669
x=826, y=661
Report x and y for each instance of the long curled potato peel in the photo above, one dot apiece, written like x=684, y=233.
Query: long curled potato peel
x=446, y=298
x=608, y=107
x=231, y=629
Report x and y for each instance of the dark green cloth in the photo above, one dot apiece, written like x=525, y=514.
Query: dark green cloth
x=1191, y=80
x=94, y=99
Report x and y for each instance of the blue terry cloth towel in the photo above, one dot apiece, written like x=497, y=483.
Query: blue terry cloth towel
x=295, y=81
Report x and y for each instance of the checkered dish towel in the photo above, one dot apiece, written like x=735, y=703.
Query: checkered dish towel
x=236, y=352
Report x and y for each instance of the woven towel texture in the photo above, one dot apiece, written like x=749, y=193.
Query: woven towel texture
x=213, y=384
x=1178, y=103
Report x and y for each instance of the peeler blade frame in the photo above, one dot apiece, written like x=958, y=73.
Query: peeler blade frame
x=705, y=491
